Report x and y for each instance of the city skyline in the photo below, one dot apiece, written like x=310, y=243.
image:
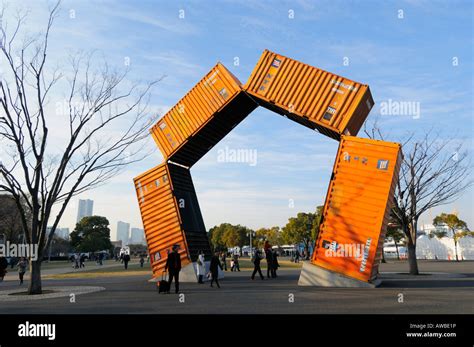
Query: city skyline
x=85, y=209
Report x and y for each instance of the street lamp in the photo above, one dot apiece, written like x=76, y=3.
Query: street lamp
x=250, y=235
x=50, y=246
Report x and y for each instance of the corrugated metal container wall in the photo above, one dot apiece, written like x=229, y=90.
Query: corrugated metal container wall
x=161, y=192
x=160, y=216
x=317, y=99
x=357, y=207
x=195, y=110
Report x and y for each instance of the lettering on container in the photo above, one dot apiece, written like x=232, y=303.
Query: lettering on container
x=363, y=263
x=344, y=85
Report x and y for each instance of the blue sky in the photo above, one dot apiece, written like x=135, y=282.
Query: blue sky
x=402, y=59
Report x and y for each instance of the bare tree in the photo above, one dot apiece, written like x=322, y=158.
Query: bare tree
x=99, y=101
x=433, y=172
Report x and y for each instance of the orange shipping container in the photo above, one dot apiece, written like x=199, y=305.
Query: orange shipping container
x=320, y=100
x=171, y=215
x=208, y=112
x=357, y=207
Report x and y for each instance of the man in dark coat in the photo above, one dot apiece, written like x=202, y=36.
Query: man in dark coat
x=214, y=269
x=126, y=259
x=173, y=266
x=269, y=258
x=275, y=264
x=256, y=263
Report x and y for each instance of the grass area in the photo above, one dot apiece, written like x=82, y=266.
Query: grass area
x=133, y=269
x=246, y=264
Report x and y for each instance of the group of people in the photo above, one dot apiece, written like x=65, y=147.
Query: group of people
x=22, y=265
x=234, y=261
x=173, y=267
x=79, y=261
x=219, y=261
x=271, y=256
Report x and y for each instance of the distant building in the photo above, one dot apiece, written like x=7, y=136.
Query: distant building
x=123, y=232
x=85, y=209
x=428, y=229
x=137, y=236
x=62, y=233
x=59, y=232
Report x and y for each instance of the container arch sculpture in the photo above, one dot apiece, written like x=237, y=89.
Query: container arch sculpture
x=360, y=191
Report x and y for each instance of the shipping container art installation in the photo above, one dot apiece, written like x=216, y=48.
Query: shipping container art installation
x=360, y=192
x=317, y=99
x=357, y=208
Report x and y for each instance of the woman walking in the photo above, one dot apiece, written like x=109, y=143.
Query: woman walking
x=201, y=267
x=214, y=269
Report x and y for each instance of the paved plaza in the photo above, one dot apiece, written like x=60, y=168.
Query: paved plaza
x=446, y=287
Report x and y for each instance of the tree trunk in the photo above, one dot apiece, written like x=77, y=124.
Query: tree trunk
x=396, y=247
x=35, y=281
x=412, y=258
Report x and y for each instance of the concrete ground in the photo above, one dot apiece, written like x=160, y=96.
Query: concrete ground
x=437, y=293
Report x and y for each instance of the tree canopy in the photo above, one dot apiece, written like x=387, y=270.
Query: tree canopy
x=227, y=235
x=303, y=228
x=91, y=234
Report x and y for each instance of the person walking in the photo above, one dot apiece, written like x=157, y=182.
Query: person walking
x=142, y=260
x=214, y=269
x=173, y=266
x=3, y=268
x=76, y=261
x=267, y=246
x=269, y=258
x=236, y=263
x=297, y=257
x=275, y=264
x=224, y=260
x=22, y=264
x=126, y=259
x=81, y=261
x=256, y=262
x=201, y=267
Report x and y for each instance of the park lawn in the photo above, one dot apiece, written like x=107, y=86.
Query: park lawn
x=133, y=269
x=246, y=264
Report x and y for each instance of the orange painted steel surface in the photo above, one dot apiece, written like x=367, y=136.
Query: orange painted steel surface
x=318, y=99
x=357, y=207
x=160, y=193
x=197, y=111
